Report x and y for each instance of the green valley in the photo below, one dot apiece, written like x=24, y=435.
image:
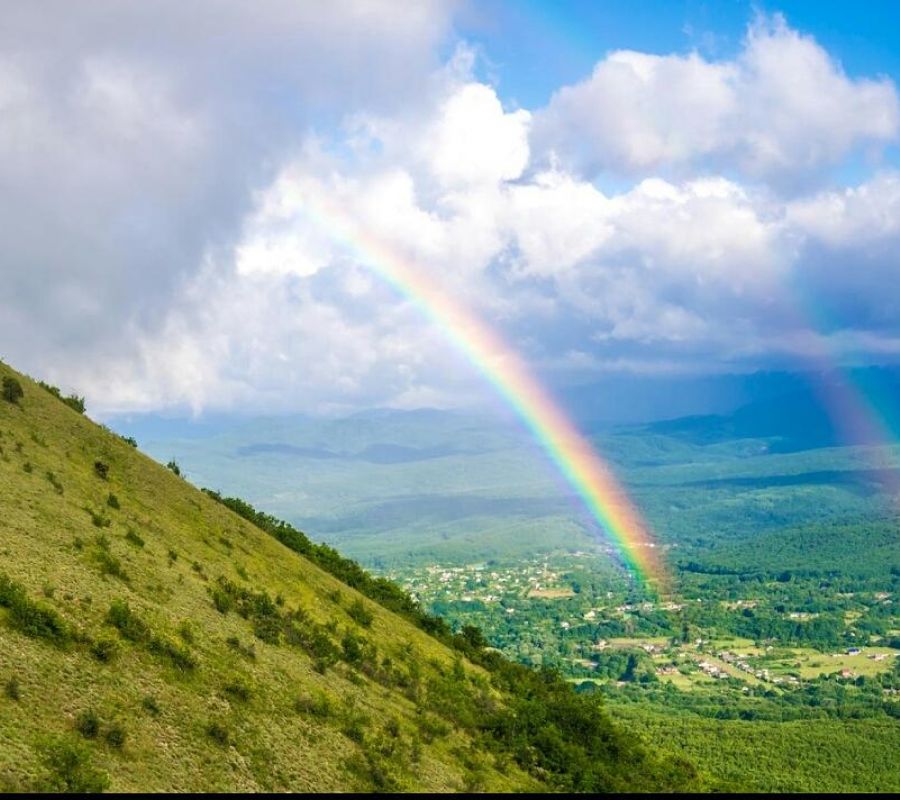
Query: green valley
x=153, y=639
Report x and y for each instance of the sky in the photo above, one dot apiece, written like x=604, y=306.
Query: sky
x=623, y=190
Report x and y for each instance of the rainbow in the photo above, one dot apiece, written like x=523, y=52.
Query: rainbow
x=568, y=449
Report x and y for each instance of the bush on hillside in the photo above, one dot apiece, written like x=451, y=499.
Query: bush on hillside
x=73, y=401
x=12, y=390
x=69, y=769
x=87, y=723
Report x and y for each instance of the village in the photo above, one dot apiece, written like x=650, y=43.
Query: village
x=555, y=608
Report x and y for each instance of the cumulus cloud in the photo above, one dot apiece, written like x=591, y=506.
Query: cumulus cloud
x=132, y=136
x=192, y=220
x=781, y=109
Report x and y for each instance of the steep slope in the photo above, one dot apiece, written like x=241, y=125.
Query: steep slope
x=151, y=639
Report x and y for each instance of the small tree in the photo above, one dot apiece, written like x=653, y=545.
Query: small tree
x=172, y=465
x=12, y=390
x=75, y=402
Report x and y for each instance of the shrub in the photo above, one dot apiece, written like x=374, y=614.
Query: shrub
x=11, y=689
x=54, y=482
x=221, y=600
x=112, y=501
x=31, y=618
x=318, y=706
x=129, y=625
x=27, y=467
x=151, y=705
x=72, y=401
x=129, y=440
x=12, y=390
x=133, y=538
x=186, y=632
x=359, y=613
x=352, y=648
x=87, y=723
x=218, y=732
x=98, y=519
x=115, y=735
x=354, y=725
x=110, y=565
x=248, y=651
x=173, y=556
x=75, y=402
x=70, y=769
x=238, y=689
x=54, y=390
x=180, y=657
x=173, y=465
x=104, y=649
x=101, y=470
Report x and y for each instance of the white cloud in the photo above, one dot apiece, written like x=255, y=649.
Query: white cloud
x=177, y=233
x=132, y=137
x=475, y=141
x=782, y=108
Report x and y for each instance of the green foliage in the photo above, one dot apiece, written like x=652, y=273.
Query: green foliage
x=151, y=705
x=132, y=537
x=110, y=565
x=173, y=466
x=238, y=688
x=12, y=690
x=69, y=768
x=359, y=613
x=248, y=651
x=112, y=501
x=73, y=401
x=87, y=723
x=104, y=650
x=382, y=591
x=179, y=657
x=218, y=732
x=54, y=482
x=30, y=617
x=98, y=518
x=101, y=470
x=116, y=735
x=12, y=390
x=317, y=705
x=129, y=625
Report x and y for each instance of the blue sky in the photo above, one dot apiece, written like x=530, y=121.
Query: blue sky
x=625, y=191
x=535, y=47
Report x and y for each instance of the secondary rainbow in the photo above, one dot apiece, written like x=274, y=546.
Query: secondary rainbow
x=570, y=451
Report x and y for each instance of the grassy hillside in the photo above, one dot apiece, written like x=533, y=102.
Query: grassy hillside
x=151, y=639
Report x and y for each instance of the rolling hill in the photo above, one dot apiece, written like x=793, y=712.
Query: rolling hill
x=151, y=639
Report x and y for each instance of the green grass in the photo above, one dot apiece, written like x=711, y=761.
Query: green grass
x=129, y=646
x=161, y=642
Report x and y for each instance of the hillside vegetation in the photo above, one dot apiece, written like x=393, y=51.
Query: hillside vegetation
x=152, y=639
